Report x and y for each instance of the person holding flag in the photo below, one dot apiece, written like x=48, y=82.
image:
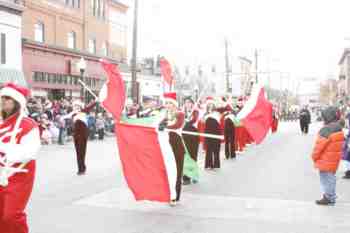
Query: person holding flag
x=174, y=120
x=191, y=141
x=229, y=132
x=19, y=143
x=212, y=126
x=80, y=132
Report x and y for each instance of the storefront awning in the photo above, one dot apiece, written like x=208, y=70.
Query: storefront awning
x=11, y=75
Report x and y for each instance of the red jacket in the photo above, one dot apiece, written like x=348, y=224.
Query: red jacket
x=328, y=148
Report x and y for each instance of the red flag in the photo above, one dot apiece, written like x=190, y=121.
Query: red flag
x=256, y=115
x=148, y=164
x=165, y=69
x=147, y=159
x=112, y=94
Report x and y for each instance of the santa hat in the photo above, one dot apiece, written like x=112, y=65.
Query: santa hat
x=170, y=97
x=210, y=100
x=18, y=93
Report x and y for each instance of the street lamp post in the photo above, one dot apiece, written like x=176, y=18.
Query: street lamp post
x=82, y=67
x=134, y=86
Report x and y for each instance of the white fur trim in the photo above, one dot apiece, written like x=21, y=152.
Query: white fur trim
x=172, y=101
x=214, y=115
x=210, y=102
x=10, y=92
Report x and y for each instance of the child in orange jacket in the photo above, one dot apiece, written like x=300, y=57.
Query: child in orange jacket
x=327, y=154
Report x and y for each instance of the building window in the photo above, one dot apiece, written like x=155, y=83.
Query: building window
x=92, y=46
x=77, y=3
x=98, y=8
x=73, y=3
x=98, y=4
x=39, y=32
x=105, y=49
x=102, y=9
x=93, y=7
x=72, y=40
x=3, y=48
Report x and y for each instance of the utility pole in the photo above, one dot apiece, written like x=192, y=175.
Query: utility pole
x=256, y=65
x=134, y=87
x=227, y=66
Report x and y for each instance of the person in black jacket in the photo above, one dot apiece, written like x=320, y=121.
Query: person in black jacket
x=305, y=120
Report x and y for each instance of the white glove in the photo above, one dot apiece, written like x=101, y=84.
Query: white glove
x=9, y=151
x=6, y=172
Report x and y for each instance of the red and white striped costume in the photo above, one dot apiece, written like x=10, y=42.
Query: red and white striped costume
x=22, y=149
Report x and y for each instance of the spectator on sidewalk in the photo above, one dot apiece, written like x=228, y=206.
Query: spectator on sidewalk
x=305, y=120
x=92, y=125
x=327, y=154
x=61, y=124
x=100, y=126
x=346, y=151
x=44, y=128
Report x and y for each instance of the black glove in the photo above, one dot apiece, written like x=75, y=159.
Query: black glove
x=161, y=126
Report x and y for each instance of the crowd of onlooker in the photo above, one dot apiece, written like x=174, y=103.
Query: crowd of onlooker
x=56, y=127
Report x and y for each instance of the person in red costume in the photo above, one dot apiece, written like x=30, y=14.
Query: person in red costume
x=191, y=141
x=274, y=125
x=19, y=143
x=174, y=119
x=80, y=132
x=229, y=131
x=239, y=130
x=212, y=126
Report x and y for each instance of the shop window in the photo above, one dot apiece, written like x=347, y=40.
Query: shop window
x=65, y=79
x=45, y=77
x=75, y=80
x=59, y=79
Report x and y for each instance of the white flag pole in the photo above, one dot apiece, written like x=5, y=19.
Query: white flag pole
x=206, y=135
x=88, y=89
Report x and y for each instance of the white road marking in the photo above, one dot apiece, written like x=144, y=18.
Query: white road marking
x=228, y=207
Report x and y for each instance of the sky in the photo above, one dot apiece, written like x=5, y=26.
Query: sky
x=302, y=38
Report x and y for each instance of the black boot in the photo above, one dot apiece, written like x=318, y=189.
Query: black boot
x=186, y=180
x=347, y=175
x=324, y=201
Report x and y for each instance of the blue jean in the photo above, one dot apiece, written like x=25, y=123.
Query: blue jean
x=61, y=136
x=328, y=185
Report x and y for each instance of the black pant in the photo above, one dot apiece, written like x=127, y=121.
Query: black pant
x=61, y=136
x=304, y=127
x=212, y=156
x=92, y=132
x=80, y=136
x=191, y=143
x=230, y=150
x=101, y=134
x=179, y=152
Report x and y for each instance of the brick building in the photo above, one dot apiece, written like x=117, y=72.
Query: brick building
x=57, y=33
